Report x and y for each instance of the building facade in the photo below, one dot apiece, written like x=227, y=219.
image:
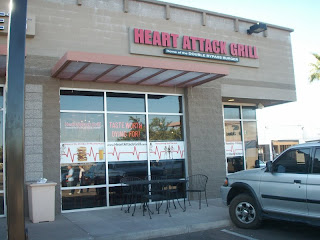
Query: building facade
x=120, y=88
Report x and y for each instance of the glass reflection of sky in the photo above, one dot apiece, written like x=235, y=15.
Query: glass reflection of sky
x=125, y=102
x=165, y=104
x=80, y=102
x=231, y=112
x=71, y=132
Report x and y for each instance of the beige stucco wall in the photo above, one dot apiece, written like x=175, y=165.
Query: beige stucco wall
x=104, y=27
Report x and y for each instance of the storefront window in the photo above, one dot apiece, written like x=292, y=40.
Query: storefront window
x=124, y=127
x=83, y=144
x=1, y=152
x=81, y=100
x=88, y=198
x=125, y=102
x=240, y=135
x=2, y=187
x=234, y=148
x=165, y=127
x=231, y=112
x=165, y=104
x=250, y=143
x=249, y=112
x=1, y=204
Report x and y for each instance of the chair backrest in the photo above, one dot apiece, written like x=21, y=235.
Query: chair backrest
x=154, y=177
x=129, y=179
x=197, y=182
x=130, y=189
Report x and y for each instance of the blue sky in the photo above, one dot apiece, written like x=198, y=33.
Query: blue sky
x=303, y=17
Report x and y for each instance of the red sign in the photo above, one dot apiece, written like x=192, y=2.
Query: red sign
x=164, y=39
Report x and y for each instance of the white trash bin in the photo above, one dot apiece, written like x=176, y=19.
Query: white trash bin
x=41, y=198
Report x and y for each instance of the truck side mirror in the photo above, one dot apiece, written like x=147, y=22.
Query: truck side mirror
x=269, y=166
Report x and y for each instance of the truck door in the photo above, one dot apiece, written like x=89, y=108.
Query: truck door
x=313, y=187
x=285, y=189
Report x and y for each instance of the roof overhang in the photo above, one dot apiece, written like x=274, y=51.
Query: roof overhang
x=3, y=59
x=95, y=67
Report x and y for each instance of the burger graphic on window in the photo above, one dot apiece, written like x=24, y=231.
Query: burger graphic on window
x=82, y=154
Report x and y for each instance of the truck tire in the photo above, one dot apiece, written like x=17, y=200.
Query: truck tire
x=244, y=212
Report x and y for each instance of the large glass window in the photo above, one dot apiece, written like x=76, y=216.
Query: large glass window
x=231, y=112
x=250, y=143
x=2, y=166
x=104, y=138
x=125, y=102
x=241, y=137
x=82, y=149
x=81, y=100
x=165, y=104
x=165, y=128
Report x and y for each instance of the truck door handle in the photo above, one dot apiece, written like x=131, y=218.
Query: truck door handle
x=297, y=181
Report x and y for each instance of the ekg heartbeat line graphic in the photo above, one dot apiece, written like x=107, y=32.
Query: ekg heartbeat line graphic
x=72, y=156
x=135, y=152
x=159, y=153
x=117, y=154
x=233, y=150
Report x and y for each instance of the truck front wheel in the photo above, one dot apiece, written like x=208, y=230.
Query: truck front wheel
x=244, y=212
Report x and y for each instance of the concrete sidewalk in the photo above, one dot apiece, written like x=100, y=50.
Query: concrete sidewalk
x=116, y=224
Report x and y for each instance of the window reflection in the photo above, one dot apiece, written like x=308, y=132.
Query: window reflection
x=1, y=204
x=233, y=146
x=84, y=174
x=248, y=112
x=164, y=127
x=82, y=127
x=316, y=162
x=81, y=100
x=1, y=151
x=165, y=104
x=94, y=197
x=125, y=102
x=118, y=170
x=124, y=127
x=251, y=143
x=171, y=169
x=231, y=112
x=1, y=97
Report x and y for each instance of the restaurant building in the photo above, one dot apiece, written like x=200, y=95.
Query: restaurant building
x=137, y=88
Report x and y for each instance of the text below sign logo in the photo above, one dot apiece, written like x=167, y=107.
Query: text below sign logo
x=200, y=55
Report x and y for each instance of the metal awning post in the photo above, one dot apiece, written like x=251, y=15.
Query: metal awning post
x=14, y=123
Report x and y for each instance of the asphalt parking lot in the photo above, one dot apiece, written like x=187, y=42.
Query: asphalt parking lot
x=270, y=230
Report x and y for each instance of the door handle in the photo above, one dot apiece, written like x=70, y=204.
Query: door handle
x=297, y=181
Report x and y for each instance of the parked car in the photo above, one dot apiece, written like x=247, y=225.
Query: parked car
x=259, y=164
x=288, y=188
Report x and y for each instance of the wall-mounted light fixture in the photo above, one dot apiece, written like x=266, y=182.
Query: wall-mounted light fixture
x=257, y=28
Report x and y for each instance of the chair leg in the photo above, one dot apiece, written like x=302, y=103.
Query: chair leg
x=174, y=203
x=205, y=193
x=189, y=200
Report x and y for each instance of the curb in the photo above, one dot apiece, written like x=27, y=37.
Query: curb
x=167, y=232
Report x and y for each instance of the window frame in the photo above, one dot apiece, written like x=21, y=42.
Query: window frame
x=241, y=120
x=106, y=112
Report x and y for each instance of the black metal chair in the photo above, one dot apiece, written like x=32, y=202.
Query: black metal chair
x=197, y=183
x=129, y=193
x=154, y=192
